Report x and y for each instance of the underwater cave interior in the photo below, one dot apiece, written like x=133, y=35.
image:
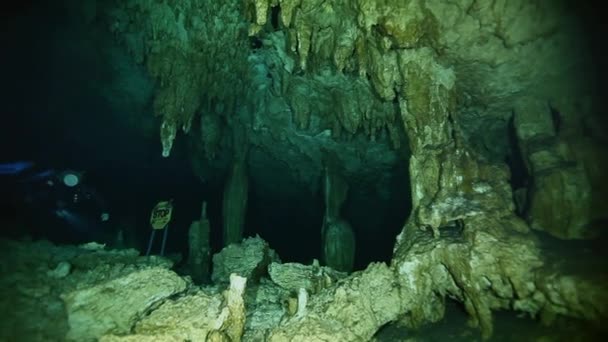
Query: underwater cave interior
x=403, y=169
x=57, y=97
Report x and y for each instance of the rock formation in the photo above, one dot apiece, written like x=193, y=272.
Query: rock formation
x=199, y=251
x=495, y=106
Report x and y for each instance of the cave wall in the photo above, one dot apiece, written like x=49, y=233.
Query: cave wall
x=375, y=82
x=443, y=84
x=457, y=72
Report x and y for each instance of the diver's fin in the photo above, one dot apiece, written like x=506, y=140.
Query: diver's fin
x=15, y=167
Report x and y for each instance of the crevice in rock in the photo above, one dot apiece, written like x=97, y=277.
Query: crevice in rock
x=274, y=17
x=255, y=43
x=520, y=179
x=557, y=119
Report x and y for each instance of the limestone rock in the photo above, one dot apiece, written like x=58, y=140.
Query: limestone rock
x=203, y=315
x=351, y=311
x=234, y=200
x=488, y=267
x=30, y=287
x=185, y=53
x=560, y=202
x=199, y=249
x=190, y=317
x=338, y=244
x=452, y=185
x=424, y=55
x=114, y=306
x=233, y=315
x=447, y=73
x=560, y=193
x=294, y=276
x=573, y=295
x=211, y=134
x=248, y=259
x=427, y=98
x=63, y=269
x=592, y=157
x=337, y=235
x=428, y=55
x=266, y=306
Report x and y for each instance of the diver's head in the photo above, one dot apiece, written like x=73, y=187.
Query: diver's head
x=70, y=178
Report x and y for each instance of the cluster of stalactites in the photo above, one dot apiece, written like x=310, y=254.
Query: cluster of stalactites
x=379, y=45
x=388, y=50
x=195, y=50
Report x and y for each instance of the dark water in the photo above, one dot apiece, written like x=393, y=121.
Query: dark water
x=508, y=327
x=587, y=259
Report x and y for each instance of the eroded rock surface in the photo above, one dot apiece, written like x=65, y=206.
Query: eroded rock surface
x=249, y=259
x=115, y=306
x=371, y=80
x=454, y=87
x=313, y=278
x=353, y=310
x=35, y=277
x=490, y=266
x=487, y=265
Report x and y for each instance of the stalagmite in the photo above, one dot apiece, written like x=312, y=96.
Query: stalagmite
x=235, y=193
x=233, y=316
x=236, y=305
x=199, y=248
x=302, y=301
x=338, y=238
x=339, y=245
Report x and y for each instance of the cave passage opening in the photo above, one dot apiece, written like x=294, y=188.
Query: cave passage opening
x=291, y=221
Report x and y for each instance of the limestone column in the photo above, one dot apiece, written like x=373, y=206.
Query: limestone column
x=200, y=250
x=338, y=238
x=235, y=193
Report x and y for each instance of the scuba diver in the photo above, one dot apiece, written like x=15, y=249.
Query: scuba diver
x=47, y=196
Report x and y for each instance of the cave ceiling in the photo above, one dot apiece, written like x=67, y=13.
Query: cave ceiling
x=443, y=84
